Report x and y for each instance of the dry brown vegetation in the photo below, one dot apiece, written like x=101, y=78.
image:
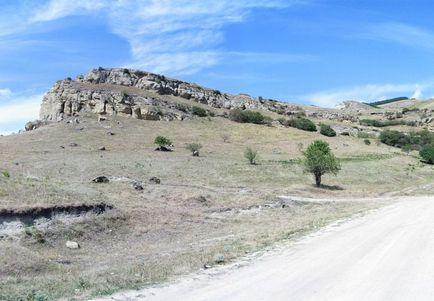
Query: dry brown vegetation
x=213, y=204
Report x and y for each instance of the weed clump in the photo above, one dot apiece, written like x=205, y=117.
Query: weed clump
x=251, y=155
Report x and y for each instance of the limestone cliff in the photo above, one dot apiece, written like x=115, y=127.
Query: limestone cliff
x=140, y=95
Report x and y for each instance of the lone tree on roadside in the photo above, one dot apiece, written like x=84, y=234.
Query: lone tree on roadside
x=163, y=143
x=319, y=160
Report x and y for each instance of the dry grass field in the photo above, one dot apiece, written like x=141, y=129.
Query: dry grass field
x=213, y=205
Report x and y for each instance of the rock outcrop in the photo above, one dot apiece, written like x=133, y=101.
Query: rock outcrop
x=118, y=91
x=150, y=96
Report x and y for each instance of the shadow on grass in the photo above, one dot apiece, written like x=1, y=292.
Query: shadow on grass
x=330, y=187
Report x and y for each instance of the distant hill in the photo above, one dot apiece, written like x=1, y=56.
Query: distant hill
x=386, y=101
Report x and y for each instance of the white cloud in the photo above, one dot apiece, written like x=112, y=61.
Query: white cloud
x=417, y=93
x=165, y=36
x=61, y=8
x=13, y=115
x=5, y=93
x=365, y=93
x=401, y=33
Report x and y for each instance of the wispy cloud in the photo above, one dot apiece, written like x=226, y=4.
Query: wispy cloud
x=166, y=36
x=366, y=93
x=16, y=110
x=401, y=33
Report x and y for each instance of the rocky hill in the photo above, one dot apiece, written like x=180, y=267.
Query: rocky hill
x=145, y=95
x=149, y=96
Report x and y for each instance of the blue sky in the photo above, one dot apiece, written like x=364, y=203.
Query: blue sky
x=308, y=51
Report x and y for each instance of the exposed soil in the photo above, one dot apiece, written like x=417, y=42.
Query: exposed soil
x=28, y=216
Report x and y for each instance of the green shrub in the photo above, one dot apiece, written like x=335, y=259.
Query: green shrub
x=246, y=116
x=162, y=142
x=326, y=130
x=383, y=123
x=35, y=233
x=364, y=135
x=367, y=141
x=6, y=174
x=320, y=160
x=427, y=153
x=302, y=124
x=201, y=112
x=399, y=139
x=251, y=155
x=194, y=148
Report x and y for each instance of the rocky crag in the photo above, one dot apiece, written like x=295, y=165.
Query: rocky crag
x=149, y=96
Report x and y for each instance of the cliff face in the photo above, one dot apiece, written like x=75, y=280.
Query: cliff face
x=123, y=91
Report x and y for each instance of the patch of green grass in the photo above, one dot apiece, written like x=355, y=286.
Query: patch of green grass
x=366, y=157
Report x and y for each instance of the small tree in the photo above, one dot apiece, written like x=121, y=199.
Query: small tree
x=251, y=155
x=194, y=148
x=319, y=160
x=163, y=143
x=427, y=153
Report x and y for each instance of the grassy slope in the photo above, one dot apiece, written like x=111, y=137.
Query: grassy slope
x=165, y=230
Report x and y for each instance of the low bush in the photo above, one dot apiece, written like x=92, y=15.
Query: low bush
x=198, y=111
x=251, y=155
x=427, y=153
x=367, y=141
x=6, y=174
x=326, y=130
x=399, y=139
x=246, y=116
x=302, y=124
x=194, y=148
x=163, y=143
x=383, y=123
x=365, y=135
x=35, y=233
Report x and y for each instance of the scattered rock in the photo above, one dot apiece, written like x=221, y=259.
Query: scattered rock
x=72, y=245
x=207, y=266
x=196, y=153
x=102, y=118
x=33, y=125
x=111, y=133
x=102, y=148
x=73, y=144
x=137, y=185
x=101, y=179
x=219, y=258
x=154, y=180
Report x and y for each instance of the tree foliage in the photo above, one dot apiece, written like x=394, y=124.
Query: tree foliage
x=319, y=160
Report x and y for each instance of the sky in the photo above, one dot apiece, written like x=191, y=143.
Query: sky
x=319, y=52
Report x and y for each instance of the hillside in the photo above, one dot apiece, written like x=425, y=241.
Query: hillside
x=165, y=214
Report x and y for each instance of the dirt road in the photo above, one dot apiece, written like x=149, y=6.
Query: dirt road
x=386, y=255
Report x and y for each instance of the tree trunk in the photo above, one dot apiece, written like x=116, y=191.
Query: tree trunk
x=318, y=179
